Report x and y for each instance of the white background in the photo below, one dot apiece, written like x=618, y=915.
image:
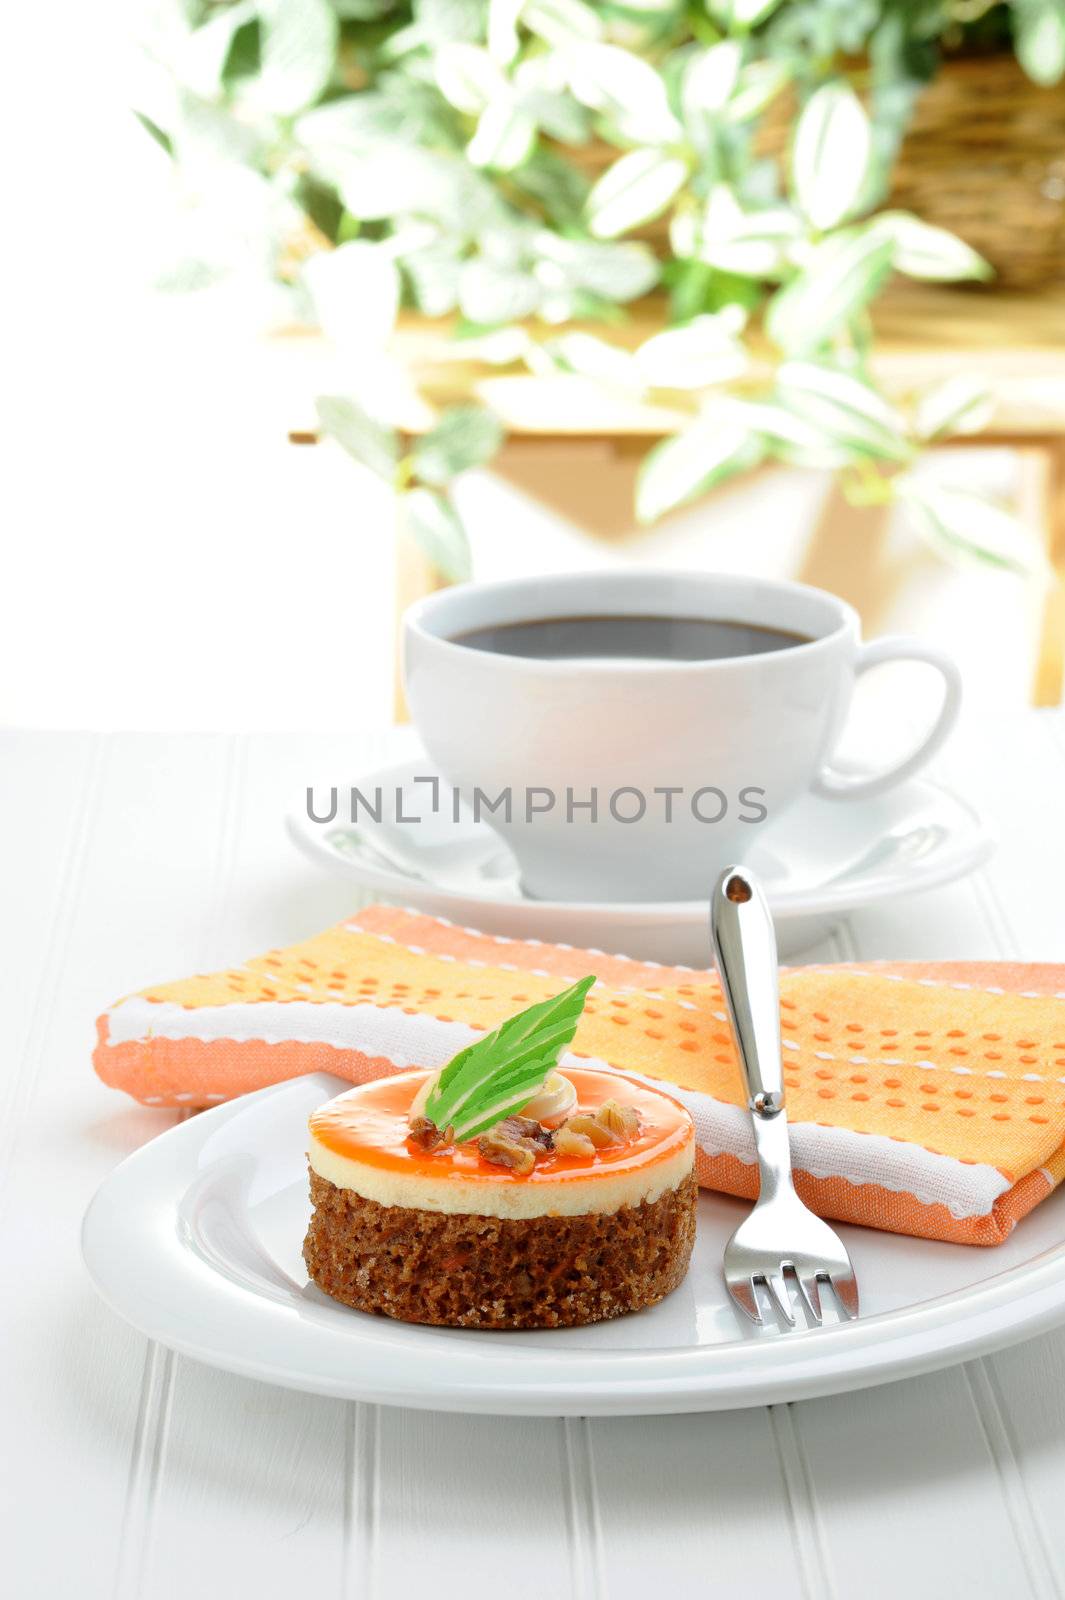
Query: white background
x=169, y=560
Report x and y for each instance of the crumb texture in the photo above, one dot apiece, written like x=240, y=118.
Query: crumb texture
x=466, y=1271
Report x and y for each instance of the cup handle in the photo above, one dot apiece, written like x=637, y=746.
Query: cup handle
x=836, y=786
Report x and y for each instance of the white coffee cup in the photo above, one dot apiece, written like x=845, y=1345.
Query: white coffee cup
x=753, y=731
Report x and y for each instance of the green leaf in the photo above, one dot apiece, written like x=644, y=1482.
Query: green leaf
x=490, y=293
x=759, y=84
x=442, y=21
x=433, y=276
x=299, y=39
x=620, y=272
x=503, y=39
x=355, y=290
x=467, y=77
x=707, y=452
x=753, y=244
x=966, y=526
x=557, y=114
x=499, y=1074
x=595, y=358
x=362, y=10
x=371, y=444
x=924, y=251
x=465, y=437
x=505, y=135
x=842, y=275
x=153, y=130
x=496, y=347
x=1039, y=39
x=695, y=287
x=788, y=435
x=704, y=351
x=404, y=113
x=960, y=404
x=636, y=188
x=625, y=88
x=830, y=155
x=391, y=181
x=560, y=22
x=202, y=60
x=845, y=408
x=558, y=189
x=434, y=524
x=207, y=139
x=742, y=13
x=709, y=79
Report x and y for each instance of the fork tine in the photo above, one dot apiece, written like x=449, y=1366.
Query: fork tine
x=811, y=1294
x=742, y=1291
x=846, y=1290
x=774, y=1282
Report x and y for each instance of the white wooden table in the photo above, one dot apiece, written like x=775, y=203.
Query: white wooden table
x=132, y=1472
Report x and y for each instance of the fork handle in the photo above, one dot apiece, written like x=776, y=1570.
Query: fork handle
x=745, y=950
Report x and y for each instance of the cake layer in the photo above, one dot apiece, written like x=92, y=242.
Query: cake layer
x=492, y=1272
x=359, y=1142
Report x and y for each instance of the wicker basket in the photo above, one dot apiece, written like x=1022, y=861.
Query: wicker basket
x=984, y=157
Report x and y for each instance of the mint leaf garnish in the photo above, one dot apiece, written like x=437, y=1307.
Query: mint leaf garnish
x=494, y=1077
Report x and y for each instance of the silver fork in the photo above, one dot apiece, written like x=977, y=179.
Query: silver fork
x=781, y=1232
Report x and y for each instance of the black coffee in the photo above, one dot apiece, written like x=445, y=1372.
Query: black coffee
x=621, y=638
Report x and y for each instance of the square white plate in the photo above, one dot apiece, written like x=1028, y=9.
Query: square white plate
x=196, y=1240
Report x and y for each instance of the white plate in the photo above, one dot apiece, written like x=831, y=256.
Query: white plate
x=196, y=1240
x=821, y=859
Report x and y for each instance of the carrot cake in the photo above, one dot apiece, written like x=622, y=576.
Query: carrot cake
x=536, y=1224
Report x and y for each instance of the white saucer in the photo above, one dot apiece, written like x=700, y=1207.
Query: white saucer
x=196, y=1240
x=820, y=860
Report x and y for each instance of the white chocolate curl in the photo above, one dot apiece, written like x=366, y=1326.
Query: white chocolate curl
x=556, y=1101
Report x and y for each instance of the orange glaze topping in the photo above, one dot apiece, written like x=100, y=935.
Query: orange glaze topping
x=371, y=1127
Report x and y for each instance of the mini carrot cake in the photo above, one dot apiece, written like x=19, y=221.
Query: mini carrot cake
x=502, y=1192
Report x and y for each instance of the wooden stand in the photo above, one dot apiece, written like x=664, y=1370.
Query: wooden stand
x=1014, y=341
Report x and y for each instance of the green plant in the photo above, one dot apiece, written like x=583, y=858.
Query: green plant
x=465, y=437
x=436, y=154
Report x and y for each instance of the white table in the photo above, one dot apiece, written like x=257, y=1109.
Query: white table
x=135, y=858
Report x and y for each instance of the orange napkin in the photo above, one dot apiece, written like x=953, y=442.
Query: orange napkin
x=924, y=1099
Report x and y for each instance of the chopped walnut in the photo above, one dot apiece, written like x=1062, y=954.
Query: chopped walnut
x=427, y=1136
x=592, y=1129
x=518, y=1155
x=624, y=1121
x=516, y=1142
x=568, y=1143
x=584, y=1134
x=525, y=1128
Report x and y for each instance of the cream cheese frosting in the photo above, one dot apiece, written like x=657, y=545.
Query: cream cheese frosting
x=359, y=1142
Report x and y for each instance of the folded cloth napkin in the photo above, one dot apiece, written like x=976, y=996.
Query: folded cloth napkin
x=924, y=1099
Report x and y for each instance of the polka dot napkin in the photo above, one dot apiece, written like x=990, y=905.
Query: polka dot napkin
x=924, y=1099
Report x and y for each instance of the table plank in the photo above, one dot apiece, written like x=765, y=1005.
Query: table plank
x=979, y=918
x=1013, y=339
x=1018, y=1393
x=693, y=1505
x=73, y=1370
x=907, y=1493
x=251, y=1490
x=1009, y=338
x=1027, y=1385
x=476, y=1505
x=254, y=1486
